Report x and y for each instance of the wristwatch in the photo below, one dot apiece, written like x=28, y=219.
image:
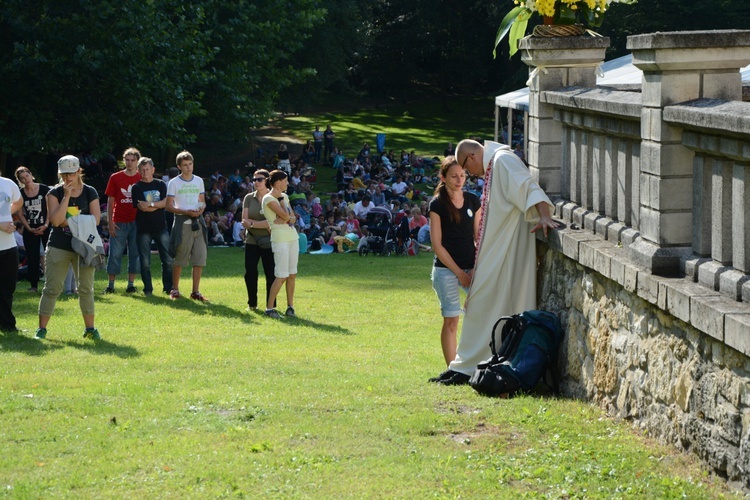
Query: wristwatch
x=152, y=204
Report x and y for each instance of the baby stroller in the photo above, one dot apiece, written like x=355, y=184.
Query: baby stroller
x=310, y=174
x=381, y=239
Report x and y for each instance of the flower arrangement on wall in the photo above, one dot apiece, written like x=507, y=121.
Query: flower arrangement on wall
x=586, y=14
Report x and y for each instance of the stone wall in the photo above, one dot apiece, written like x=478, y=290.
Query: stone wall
x=642, y=364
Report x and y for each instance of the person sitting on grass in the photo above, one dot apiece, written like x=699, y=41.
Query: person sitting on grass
x=302, y=211
x=416, y=221
x=418, y=174
x=352, y=224
x=215, y=236
x=332, y=228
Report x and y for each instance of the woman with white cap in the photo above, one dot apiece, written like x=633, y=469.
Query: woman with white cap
x=71, y=197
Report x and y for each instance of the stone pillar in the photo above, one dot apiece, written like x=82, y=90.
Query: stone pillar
x=677, y=67
x=555, y=63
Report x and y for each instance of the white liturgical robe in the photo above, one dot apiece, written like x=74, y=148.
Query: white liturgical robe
x=504, y=281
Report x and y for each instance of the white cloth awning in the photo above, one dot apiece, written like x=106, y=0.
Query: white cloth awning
x=618, y=71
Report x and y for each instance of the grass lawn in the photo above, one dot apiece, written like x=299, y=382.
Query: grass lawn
x=423, y=126
x=187, y=399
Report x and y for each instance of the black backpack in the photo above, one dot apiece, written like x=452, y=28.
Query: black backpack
x=528, y=348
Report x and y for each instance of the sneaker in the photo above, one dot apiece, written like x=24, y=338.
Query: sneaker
x=174, y=294
x=130, y=289
x=32, y=289
x=443, y=376
x=91, y=333
x=148, y=293
x=199, y=297
x=455, y=379
x=290, y=312
x=109, y=289
x=272, y=313
x=40, y=333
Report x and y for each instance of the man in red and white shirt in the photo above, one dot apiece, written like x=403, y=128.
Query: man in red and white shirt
x=121, y=220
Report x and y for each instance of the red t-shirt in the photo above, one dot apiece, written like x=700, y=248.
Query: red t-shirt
x=119, y=187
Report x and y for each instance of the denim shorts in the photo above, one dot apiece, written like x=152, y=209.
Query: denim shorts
x=446, y=286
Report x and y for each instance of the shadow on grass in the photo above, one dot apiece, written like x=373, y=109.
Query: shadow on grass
x=104, y=347
x=297, y=321
x=187, y=304
x=20, y=342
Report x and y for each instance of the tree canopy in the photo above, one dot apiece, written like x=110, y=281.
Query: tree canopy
x=92, y=74
x=89, y=74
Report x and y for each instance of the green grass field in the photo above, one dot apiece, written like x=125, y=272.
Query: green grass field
x=424, y=127
x=182, y=399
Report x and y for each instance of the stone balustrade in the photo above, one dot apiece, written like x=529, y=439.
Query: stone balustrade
x=651, y=276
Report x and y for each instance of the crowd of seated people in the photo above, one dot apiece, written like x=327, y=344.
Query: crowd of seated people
x=371, y=179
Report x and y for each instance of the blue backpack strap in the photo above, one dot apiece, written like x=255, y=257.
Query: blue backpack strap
x=511, y=336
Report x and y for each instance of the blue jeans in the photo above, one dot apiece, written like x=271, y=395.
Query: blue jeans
x=144, y=251
x=126, y=236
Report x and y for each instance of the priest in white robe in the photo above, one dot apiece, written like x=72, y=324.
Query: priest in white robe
x=504, y=279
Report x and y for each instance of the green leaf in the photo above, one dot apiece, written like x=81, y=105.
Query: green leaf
x=566, y=15
x=505, y=25
x=518, y=30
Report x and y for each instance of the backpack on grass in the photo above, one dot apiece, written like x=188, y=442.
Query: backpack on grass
x=528, y=348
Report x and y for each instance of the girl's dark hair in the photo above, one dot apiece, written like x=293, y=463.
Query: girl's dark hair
x=275, y=176
x=441, y=191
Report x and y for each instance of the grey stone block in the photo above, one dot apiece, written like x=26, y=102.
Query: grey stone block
x=617, y=269
x=679, y=293
x=614, y=230
x=595, y=255
x=722, y=85
x=707, y=314
x=655, y=129
x=662, y=89
x=731, y=148
x=648, y=286
x=567, y=211
x=571, y=240
x=737, y=332
x=691, y=265
x=628, y=236
x=660, y=261
x=602, y=226
x=715, y=115
x=731, y=282
x=709, y=274
x=672, y=194
x=559, y=204
x=741, y=217
x=578, y=215
x=590, y=220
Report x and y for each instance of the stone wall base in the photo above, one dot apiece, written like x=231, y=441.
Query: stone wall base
x=642, y=364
